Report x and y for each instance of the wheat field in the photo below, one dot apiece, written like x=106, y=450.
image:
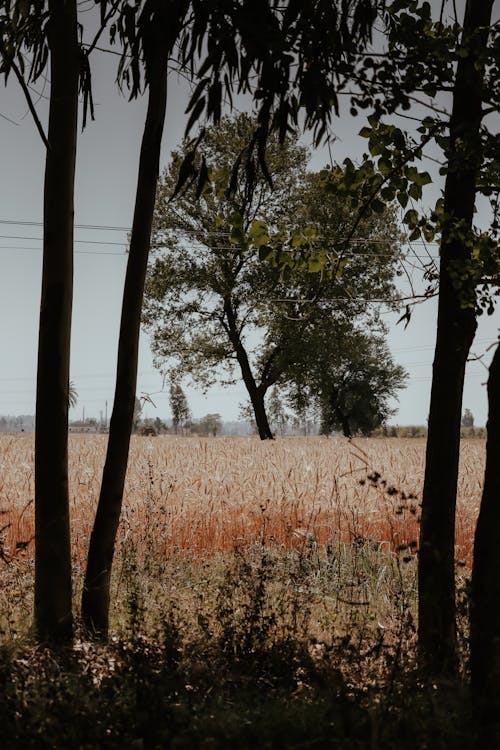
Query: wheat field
x=203, y=496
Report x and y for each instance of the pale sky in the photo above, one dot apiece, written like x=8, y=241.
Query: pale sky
x=106, y=172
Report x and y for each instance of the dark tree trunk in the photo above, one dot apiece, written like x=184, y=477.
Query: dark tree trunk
x=455, y=332
x=340, y=415
x=256, y=392
x=53, y=590
x=259, y=409
x=485, y=597
x=96, y=591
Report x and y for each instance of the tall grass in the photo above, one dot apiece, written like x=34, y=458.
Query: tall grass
x=263, y=595
x=209, y=495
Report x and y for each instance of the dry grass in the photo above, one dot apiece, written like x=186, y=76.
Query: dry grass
x=285, y=569
x=211, y=495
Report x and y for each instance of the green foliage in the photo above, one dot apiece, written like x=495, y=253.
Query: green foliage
x=351, y=378
x=210, y=424
x=211, y=301
x=179, y=406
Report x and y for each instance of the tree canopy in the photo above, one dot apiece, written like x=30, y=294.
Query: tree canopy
x=212, y=305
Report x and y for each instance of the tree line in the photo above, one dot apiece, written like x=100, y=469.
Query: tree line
x=297, y=63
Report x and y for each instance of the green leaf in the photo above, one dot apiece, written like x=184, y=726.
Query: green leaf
x=415, y=191
x=384, y=166
x=315, y=263
x=377, y=206
x=265, y=252
x=365, y=132
x=258, y=233
x=411, y=218
x=402, y=199
x=423, y=178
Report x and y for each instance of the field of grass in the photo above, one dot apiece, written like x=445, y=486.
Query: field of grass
x=264, y=595
x=204, y=495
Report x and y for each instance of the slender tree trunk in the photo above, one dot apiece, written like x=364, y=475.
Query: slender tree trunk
x=256, y=392
x=53, y=610
x=259, y=409
x=96, y=591
x=485, y=597
x=455, y=332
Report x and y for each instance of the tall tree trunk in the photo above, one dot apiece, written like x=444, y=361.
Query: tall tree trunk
x=455, y=332
x=485, y=596
x=53, y=591
x=96, y=591
x=256, y=392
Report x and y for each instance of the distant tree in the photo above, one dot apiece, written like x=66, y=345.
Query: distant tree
x=210, y=424
x=178, y=406
x=72, y=395
x=349, y=375
x=208, y=293
x=468, y=418
x=247, y=414
x=159, y=425
x=136, y=420
x=278, y=414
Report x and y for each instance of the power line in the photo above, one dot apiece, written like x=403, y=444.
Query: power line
x=214, y=233
x=83, y=242
x=212, y=249
x=104, y=227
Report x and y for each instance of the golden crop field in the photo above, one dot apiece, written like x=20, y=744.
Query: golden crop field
x=207, y=495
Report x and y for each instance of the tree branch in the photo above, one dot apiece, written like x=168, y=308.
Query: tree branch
x=29, y=100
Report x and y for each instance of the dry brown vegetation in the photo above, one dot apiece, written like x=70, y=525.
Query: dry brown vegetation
x=209, y=495
x=264, y=595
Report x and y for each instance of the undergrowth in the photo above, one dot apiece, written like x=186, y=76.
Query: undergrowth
x=263, y=647
x=262, y=597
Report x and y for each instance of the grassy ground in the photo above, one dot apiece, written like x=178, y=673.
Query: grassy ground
x=264, y=595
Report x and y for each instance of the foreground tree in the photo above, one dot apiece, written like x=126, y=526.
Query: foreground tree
x=485, y=592
x=424, y=57
x=53, y=586
x=455, y=332
x=158, y=28
x=209, y=297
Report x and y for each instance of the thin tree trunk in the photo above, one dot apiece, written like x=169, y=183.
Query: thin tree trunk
x=53, y=590
x=485, y=596
x=455, y=332
x=96, y=592
x=259, y=409
x=256, y=392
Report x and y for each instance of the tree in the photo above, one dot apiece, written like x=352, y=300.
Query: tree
x=424, y=57
x=278, y=416
x=455, y=332
x=467, y=419
x=210, y=424
x=136, y=418
x=207, y=292
x=349, y=375
x=49, y=30
x=53, y=585
x=485, y=589
x=179, y=406
x=72, y=395
x=152, y=35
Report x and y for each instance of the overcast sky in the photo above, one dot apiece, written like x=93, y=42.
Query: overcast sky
x=108, y=153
